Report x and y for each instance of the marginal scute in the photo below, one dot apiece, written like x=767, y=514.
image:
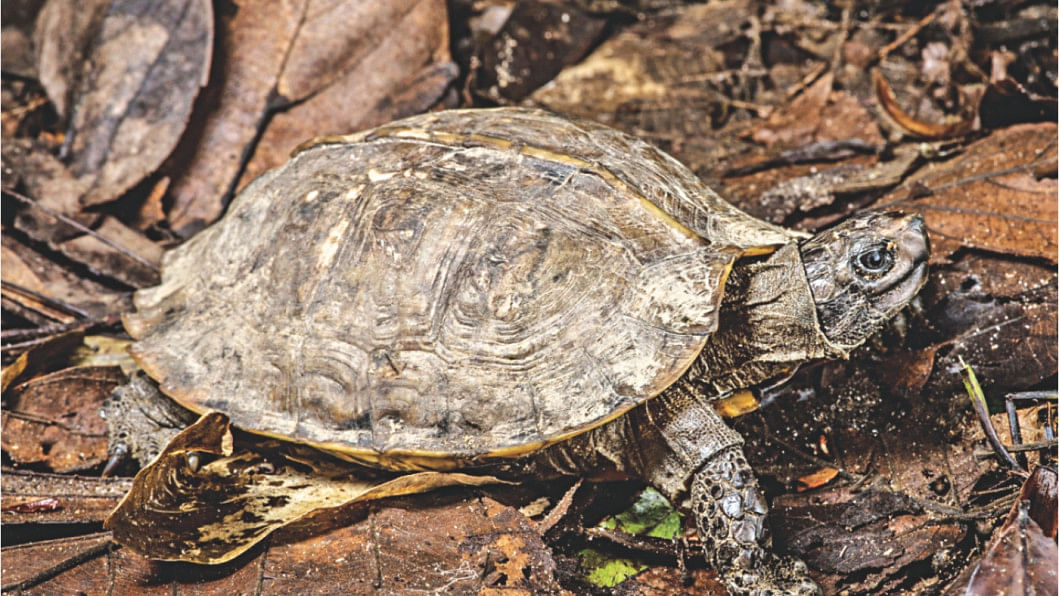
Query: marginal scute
x=458, y=286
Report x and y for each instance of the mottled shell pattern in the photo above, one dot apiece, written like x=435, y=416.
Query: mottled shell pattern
x=454, y=285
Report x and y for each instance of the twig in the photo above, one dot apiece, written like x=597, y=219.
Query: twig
x=1034, y=446
x=70, y=222
x=45, y=331
x=893, y=45
x=47, y=300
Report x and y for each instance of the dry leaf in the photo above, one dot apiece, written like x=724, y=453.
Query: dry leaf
x=404, y=52
x=1022, y=560
x=136, y=266
x=989, y=198
x=65, y=30
x=149, y=60
x=83, y=498
x=54, y=419
x=254, y=43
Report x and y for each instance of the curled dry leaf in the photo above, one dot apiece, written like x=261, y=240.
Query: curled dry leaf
x=149, y=60
x=1020, y=561
x=217, y=512
x=886, y=99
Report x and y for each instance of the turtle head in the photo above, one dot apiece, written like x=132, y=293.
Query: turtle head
x=864, y=270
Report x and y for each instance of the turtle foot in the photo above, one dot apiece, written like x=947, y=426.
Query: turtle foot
x=773, y=577
x=140, y=422
x=732, y=519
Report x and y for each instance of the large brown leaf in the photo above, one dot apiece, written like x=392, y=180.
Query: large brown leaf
x=399, y=67
x=995, y=195
x=254, y=44
x=149, y=60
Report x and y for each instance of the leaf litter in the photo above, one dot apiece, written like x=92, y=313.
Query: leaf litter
x=760, y=102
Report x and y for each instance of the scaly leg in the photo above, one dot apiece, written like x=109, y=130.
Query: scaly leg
x=732, y=519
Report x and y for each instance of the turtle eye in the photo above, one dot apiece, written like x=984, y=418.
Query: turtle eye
x=874, y=262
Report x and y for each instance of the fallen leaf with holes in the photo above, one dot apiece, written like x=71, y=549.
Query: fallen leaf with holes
x=242, y=493
x=435, y=543
x=54, y=419
x=147, y=64
x=991, y=195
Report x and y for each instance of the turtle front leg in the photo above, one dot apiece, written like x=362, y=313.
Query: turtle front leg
x=732, y=519
x=140, y=422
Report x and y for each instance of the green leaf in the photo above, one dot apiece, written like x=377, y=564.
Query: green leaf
x=605, y=571
x=651, y=515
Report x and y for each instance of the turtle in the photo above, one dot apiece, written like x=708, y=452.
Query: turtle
x=520, y=292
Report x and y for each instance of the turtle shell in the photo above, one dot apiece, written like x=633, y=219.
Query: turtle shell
x=454, y=285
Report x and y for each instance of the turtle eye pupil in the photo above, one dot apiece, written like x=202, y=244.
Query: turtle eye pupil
x=875, y=262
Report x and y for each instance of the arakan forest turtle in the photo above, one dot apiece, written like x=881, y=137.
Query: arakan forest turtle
x=514, y=291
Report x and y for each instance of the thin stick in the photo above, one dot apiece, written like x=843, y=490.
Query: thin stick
x=47, y=300
x=70, y=222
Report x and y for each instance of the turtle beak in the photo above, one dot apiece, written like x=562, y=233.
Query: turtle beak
x=913, y=249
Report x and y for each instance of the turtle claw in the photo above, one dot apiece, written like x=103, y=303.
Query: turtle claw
x=119, y=454
x=774, y=577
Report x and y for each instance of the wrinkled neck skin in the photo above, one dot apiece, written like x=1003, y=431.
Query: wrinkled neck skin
x=768, y=326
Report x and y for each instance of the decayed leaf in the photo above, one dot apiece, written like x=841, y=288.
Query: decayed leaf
x=402, y=67
x=64, y=32
x=990, y=197
x=149, y=61
x=255, y=42
x=1022, y=560
x=214, y=514
x=54, y=419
